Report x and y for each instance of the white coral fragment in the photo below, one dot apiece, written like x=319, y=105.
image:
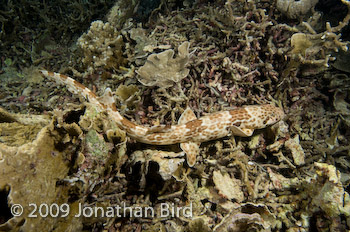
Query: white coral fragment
x=280, y=182
x=163, y=70
x=167, y=167
x=330, y=198
x=228, y=187
x=169, y=162
x=247, y=217
x=293, y=144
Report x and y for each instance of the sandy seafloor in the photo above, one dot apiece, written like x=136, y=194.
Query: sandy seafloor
x=67, y=166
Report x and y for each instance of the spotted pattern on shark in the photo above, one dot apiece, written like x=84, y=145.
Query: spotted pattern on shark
x=190, y=130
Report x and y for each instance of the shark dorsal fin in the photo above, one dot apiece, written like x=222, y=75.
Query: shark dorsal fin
x=187, y=116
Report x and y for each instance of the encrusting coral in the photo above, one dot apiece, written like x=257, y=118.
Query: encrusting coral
x=32, y=168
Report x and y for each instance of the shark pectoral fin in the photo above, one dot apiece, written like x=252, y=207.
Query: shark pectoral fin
x=192, y=150
x=187, y=116
x=244, y=132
